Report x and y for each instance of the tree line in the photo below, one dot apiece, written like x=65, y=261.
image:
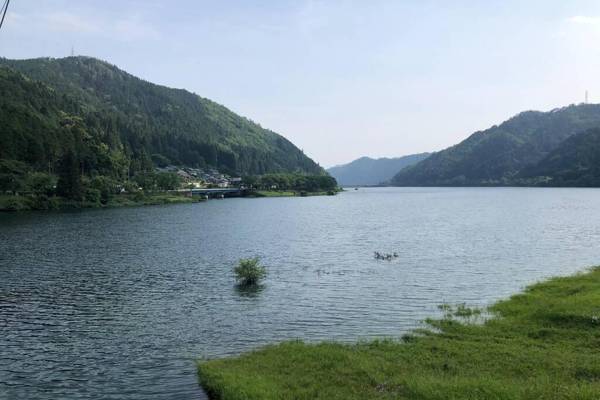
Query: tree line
x=291, y=181
x=68, y=183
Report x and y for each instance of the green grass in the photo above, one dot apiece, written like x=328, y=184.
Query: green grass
x=273, y=193
x=155, y=199
x=288, y=193
x=149, y=200
x=541, y=344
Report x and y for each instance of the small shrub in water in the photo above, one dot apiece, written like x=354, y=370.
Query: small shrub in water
x=466, y=312
x=249, y=271
x=385, y=256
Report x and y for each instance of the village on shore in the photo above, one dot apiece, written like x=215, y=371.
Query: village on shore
x=202, y=178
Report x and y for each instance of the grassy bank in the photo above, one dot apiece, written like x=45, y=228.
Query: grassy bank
x=289, y=193
x=272, y=193
x=541, y=344
x=26, y=203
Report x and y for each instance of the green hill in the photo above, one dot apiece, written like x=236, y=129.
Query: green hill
x=576, y=162
x=497, y=155
x=368, y=171
x=134, y=122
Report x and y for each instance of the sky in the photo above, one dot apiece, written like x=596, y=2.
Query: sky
x=340, y=79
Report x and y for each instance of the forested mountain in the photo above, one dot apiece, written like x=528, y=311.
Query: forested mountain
x=368, y=171
x=497, y=155
x=114, y=123
x=576, y=162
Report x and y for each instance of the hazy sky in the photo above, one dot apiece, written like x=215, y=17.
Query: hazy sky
x=341, y=79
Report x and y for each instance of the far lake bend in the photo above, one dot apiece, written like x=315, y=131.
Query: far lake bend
x=118, y=303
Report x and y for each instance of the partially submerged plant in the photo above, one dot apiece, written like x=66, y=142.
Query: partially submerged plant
x=460, y=312
x=385, y=256
x=249, y=272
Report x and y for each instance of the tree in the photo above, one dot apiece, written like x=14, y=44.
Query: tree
x=146, y=180
x=167, y=180
x=250, y=181
x=12, y=175
x=41, y=183
x=160, y=160
x=69, y=183
x=106, y=187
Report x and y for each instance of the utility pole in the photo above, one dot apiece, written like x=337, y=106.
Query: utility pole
x=586, y=97
x=72, y=51
x=3, y=11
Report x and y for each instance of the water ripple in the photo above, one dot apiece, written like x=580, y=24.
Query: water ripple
x=117, y=304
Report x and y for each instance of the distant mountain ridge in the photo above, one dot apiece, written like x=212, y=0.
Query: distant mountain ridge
x=496, y=156
x=133, y=121
x=367, y=171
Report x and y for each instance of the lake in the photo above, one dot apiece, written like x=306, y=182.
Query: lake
x=119, y=303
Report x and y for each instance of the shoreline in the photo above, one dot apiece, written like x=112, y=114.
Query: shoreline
x=12, y=203
x=541, y=343
x=291, y=193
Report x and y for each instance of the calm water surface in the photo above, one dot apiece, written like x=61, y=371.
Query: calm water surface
x=117, y=304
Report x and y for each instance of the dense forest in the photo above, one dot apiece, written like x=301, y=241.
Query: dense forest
x=78, y=120
x=143, y=119
x=367, y=171
x=576, y=162
x=502, y=155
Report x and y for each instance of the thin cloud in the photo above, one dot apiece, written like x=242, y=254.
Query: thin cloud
x=128, y=29
x=135, y=29
x=64, y=21
x=584, y=20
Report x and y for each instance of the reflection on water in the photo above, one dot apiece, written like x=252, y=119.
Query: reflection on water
x=249, y=290
x=117, y=304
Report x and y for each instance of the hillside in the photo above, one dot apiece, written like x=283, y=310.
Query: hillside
x=368, y=171
x=138, y=122
x=576, y=162
x=497, y=155
x=35, y=121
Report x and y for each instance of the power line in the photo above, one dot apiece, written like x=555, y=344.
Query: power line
x=5, y=7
